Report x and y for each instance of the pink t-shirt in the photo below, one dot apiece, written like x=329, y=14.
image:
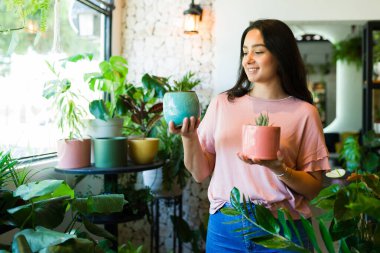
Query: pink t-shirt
x=302, y=145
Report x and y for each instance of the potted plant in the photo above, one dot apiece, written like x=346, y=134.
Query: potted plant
x=261, y=141
x=144, y=112
x=110, y=83
x=349, y=50
x=73, y=151
x=179, y=101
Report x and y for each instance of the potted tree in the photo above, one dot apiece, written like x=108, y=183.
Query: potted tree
x=108, y=110
x=261, y=141
x=73, y=151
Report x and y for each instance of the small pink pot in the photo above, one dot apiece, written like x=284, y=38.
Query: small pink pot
x=261, y=142
x=74, y=153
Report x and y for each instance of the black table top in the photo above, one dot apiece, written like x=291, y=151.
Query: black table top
x=115, y=170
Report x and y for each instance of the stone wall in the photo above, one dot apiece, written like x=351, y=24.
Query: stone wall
x=153, y=42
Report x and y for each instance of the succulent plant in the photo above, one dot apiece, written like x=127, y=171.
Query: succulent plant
x=262, y=120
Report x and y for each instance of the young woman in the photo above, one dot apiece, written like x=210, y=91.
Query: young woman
x=272, y=79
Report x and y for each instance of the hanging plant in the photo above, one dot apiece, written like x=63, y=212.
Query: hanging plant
x=349, y=50
x=30, y=8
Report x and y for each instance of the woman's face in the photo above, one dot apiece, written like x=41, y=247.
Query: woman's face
x=259, y=64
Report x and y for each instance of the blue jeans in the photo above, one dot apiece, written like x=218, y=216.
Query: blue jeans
x=222, y=237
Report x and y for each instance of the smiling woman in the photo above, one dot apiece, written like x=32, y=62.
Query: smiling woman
x=27, y=126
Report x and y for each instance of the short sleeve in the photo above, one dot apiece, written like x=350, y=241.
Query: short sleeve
x=313, y=153
x=206, y=129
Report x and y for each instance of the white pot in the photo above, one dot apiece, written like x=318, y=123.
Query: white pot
x=153, y=179
x=97, y=128
x=376, y=127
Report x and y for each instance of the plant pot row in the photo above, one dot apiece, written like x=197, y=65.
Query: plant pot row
x=106, y=148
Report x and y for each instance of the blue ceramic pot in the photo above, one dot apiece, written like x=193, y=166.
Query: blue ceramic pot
x=179, y=105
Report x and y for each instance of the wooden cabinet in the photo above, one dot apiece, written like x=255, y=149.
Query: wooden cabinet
x=371, y=74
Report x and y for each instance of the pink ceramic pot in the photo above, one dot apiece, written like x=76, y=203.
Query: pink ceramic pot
x=74, y=153
x=261, y=142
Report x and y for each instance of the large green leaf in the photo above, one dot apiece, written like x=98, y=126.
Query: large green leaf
x=53, y=188
x=157, y=84
x=106, y=203
x=326, y=194
x=48, y=213
x=41, y=238
x=99, y=110
x=340, y=210
x=265, y=218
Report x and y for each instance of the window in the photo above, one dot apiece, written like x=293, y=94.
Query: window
x=27, y=125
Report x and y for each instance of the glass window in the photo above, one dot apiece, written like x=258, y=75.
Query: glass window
x=27, y=125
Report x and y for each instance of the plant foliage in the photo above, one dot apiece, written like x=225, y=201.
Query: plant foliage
x=110, y=82
x=64, y=100
x=349, y=50
x=262, y=120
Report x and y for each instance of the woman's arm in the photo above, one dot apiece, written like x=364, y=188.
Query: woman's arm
x=306, y=183
x=199, y=163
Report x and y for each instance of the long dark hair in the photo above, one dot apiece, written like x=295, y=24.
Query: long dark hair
x=280, y=41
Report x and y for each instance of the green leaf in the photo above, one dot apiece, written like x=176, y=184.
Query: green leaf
x=310, y=233
x=230, y=211
x=293, y=225
x=41, y=238
x=235, y=199
x=277, y=242
x=182, y=229
x=326, y=193
x=106, y=203
x=265, y=218
x=326, y=237
x=156, y=84
x=48, y=213
x=343, y=247
x=285, y=227
x=37, y=189
x=99, y=110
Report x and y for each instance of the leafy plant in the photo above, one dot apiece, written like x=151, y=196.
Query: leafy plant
x=144, y=110
x=188, y=235
x=354, y=211
x=272, y=239
x=130, y=248
x=361, y=158
x=171, y=152
x=161, y=85
x=38, y=207
x=349, y=50
x=111, y=80
x=64, y=101
x=8, y=172
x=262, y=120
x=28, y=8
x=376, y=46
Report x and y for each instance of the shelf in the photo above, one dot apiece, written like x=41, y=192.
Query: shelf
x=116, y=170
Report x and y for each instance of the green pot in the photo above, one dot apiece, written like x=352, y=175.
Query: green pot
x=110, y=152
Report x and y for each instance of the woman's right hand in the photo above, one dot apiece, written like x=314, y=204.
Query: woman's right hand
x=188, y=128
